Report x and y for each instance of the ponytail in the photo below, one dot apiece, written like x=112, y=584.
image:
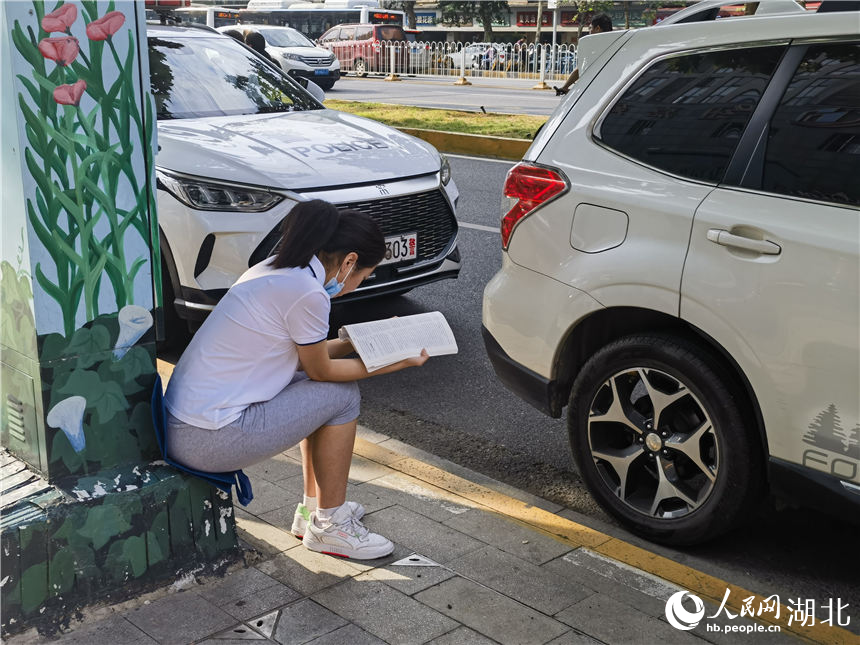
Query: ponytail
x=318, y=227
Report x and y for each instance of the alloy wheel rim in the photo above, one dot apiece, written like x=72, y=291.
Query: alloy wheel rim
x=653, y=443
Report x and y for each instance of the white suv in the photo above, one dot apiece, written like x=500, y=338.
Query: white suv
x=680, y=270
x=239, y=144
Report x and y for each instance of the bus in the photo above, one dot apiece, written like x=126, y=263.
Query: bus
x=315, y=18
x=209, y=16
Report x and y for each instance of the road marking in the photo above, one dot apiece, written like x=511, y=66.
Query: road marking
x=507, y=161
x=479, y=227
x=578, y=535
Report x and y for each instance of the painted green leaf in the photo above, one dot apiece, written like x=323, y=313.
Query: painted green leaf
x=61, y=449
x=158, y=539
x=104, y=523
x=61, y=572
x=106, y=399
x=94, y=340
x=136, y=361
x=33, y=587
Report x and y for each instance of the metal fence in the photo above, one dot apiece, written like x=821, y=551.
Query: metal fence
x=487, y=60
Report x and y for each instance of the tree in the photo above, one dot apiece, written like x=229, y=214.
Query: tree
x=461, y=13
x=827, y=433
x=584, y=11
x=407, y=7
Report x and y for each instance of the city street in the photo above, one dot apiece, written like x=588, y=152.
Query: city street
x=494, y=94
x=455, y=408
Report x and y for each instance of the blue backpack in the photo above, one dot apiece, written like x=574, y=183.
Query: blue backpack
x=223, y=481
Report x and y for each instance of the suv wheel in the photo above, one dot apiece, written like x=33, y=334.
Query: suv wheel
x=360, y=67
x=660, y=441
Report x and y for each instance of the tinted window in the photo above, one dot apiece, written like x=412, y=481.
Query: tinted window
x=686, y=114
x=330, y=36
x=813, y=149
x=347, y=33
x=198, y=77
x=363, y=33
x=285, y=38
x=390, y=32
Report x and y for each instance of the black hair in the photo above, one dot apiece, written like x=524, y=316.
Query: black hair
x=234, y=33
x=602, y=21
x=319, y=228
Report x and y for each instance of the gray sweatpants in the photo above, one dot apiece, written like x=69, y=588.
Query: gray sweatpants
x=265, y=428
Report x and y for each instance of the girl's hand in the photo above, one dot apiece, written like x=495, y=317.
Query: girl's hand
x=418, y=361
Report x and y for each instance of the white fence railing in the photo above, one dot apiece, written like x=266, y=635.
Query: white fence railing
x=497, y=60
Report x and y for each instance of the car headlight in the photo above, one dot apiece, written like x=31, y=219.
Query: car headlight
x=292, y=57
x=209, y=196
x=445, y=170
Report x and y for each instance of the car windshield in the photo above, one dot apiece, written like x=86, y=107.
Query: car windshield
x=285, y=38
x=200, y=77
x=390, y=32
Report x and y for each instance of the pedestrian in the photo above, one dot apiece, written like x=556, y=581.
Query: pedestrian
x=234, y=33
x=599, y=24
x=255, y=41
x=260, y=377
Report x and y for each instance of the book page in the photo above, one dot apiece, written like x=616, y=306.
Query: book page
x=383, y=342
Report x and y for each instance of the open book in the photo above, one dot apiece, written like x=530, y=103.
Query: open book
x=383, y=342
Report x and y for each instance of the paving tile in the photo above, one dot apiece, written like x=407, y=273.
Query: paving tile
x=363, y=470
x=516, y=539
x=614, y=622
x=110, y=631
x=523, y=581
x=421, y=498
x=262, y=601
x=406, y=579
x=180, y=618
x=574, y=638
x=490, y=613
x=363, y=432
x=269, y=540
x=567, y=568
x=239, y=633
x=730, y=638
x=304, y=621
x=348, y=635
x=420, y=534
x=269, y=496
x=278, y=467
x=235, y=586
x=307, y=571
x=371, y=497
x=462, y=636
x=385, y=612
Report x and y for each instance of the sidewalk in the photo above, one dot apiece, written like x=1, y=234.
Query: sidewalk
x=475, y=562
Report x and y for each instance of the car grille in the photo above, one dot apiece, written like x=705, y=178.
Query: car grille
x=426, y=214
x=317, y=60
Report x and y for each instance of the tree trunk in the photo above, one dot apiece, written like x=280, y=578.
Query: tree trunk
x=627, y=15
x=411, y=20
x=539, y=21
x=486, y=15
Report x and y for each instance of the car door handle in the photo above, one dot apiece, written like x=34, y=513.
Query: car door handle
x=724, y=238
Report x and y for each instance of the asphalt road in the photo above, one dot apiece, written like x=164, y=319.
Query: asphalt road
x=495, y=95
x=455, y=408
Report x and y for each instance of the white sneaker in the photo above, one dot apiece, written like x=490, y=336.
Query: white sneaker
x=302, y=516
x=345, y=536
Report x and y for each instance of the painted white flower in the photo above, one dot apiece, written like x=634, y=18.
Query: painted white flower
x=68, y=416
x=133, y=323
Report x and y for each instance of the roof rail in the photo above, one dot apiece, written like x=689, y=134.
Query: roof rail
x=710, y=9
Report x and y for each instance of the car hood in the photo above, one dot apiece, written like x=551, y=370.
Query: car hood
x=301, y=51
x=292, y=150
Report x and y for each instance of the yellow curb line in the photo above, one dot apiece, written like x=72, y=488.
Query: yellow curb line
x=472, y=144
x=576, y=535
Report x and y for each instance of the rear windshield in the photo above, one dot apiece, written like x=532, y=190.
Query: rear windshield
x=390, y=32
x=200, y=77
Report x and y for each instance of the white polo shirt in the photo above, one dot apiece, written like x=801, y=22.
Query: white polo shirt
x=246, y=350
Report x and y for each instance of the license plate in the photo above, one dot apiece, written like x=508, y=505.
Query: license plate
x=399, y=248
x=321, y=72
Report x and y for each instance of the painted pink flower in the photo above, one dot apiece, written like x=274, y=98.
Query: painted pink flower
x=63, y=49
x=60, y=19
x=70, y=94
x=105, y=26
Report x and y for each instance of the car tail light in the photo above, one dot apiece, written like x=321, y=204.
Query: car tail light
x=528, y=187
x=164, y=4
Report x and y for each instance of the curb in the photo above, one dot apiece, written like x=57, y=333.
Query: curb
x=413, y=463
x=472, y=144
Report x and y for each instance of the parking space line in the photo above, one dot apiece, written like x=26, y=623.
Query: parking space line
x=479, y=227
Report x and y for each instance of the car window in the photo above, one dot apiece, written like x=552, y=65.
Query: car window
x=330, y=36
x=285, y=38
x=347, y=33
x=390, y=32
x=813, y=148
x=685, y=114
x=363, y=33
x=200, y=77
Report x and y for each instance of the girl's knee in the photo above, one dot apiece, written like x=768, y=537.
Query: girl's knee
x=351, y=396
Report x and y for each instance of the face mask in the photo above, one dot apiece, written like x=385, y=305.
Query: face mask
x=333, y=287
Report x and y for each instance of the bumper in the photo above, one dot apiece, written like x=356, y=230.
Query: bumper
x=311, y=74
x=529, y=386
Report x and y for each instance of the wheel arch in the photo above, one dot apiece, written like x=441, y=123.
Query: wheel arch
x=606, y=325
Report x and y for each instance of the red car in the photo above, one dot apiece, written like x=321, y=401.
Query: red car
x=367, y=48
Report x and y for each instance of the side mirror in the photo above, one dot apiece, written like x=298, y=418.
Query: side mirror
x=312, y=88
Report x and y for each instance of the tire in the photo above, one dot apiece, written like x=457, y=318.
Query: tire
x=359, y=67
x=325, y=86
x=704, y=442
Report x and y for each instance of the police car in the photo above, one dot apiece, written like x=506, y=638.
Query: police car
x=240, y=144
